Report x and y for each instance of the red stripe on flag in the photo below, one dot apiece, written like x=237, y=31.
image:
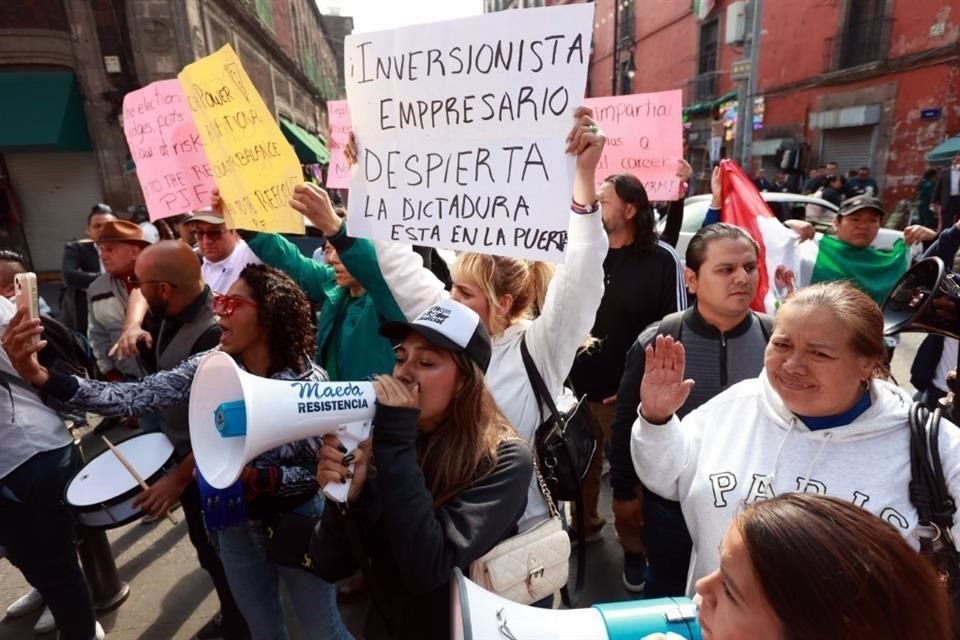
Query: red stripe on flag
x=741, y=205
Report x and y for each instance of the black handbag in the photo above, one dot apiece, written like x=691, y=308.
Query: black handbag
x=564, y=446
x=564, y=441
x=931, y=497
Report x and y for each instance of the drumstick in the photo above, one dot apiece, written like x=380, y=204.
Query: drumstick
x=133, y=472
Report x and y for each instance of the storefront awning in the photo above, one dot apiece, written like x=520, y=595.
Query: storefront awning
x=708, y=106
x=42, y=110
x=945, y=151
x=310, y=149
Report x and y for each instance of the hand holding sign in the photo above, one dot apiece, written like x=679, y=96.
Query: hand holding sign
x=314, y=203
x=586, y=141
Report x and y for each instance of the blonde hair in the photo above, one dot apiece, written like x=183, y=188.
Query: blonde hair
x=497, y=276
x=855, y=311
x=463, y=449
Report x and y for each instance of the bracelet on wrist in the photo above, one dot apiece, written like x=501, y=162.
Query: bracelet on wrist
x=593, y=207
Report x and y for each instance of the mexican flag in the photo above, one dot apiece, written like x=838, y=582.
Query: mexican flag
x=787, y=264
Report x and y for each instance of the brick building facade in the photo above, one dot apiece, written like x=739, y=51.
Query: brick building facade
x=65, y=66
x=862, y=82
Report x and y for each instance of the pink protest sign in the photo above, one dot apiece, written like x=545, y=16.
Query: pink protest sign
x=338, y=174
x=644, y=137
x=172, y=168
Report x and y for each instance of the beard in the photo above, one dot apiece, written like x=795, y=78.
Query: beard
x=158, y=308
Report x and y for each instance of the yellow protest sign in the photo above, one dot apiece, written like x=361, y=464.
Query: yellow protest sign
x=250, y=160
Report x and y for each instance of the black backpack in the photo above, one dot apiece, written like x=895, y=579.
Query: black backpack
x=67, y=351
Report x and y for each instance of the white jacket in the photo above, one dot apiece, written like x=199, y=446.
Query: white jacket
x=744, y=445
x=553, y=338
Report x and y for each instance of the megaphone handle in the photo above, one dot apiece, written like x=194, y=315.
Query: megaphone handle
x=351, y=435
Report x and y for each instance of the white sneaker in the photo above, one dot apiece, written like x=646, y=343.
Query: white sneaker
x=98, y=633
x=26, y=604
x=45, y=622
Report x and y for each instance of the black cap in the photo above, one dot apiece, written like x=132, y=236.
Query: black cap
x=857, y=203
x=448, y=325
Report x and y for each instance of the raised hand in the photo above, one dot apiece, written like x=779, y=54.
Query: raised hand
x=585, y=141
x=314, y=203
x=21, y=342
x=663, y=389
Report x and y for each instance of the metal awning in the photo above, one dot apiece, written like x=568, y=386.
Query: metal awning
x=42, y=111
x=310, y=149
x=945, y=151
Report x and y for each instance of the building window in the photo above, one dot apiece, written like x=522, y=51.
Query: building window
x=265, y=12
x=705, y=84
x=626, y=22
x=625, y=76
x=863, y=36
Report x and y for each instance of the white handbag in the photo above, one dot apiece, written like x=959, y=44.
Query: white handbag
x=531, y=565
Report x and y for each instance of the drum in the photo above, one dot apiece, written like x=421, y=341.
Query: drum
x=101, y=494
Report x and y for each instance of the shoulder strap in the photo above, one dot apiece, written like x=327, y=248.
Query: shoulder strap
x=928, y=489
x=766, y=324
x=540, y=391
x=570, y=596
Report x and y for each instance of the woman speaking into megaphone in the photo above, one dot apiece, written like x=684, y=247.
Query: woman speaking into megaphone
x=443, y=481
x=266, y=326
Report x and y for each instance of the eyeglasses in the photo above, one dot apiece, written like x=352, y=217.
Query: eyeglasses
x=133, y=280
x=225, y=305
x=213, y=234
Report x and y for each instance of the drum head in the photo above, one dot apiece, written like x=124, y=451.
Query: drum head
x=104, y=478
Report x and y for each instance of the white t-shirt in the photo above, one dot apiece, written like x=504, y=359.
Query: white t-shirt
x=27, y=426
x=220, y=276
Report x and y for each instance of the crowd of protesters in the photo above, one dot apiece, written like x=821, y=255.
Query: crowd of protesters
x=759, y=461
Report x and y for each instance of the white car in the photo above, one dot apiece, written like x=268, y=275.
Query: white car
x=818, y=212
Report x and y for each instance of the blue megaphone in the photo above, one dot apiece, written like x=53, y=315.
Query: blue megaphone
x=478, y=614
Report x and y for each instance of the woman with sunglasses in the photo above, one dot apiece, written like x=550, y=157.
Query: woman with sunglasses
x=265, y=324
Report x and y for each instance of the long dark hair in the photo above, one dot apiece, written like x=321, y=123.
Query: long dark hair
x=833, y=570
x=464, y=448
x=285, y=314
x=629, y=189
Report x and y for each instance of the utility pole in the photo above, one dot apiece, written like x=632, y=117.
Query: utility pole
x=747, y=87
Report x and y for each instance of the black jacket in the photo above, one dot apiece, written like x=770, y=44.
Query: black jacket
x=941, y=190
x=412, y=548
x=81, y=266
x=715, y=361
x=642, y=286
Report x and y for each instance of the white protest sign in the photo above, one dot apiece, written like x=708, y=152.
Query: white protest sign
x=462, y=128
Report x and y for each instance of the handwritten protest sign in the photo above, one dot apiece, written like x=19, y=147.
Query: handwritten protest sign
x=166, y=147
x=338, y=173
x=461, y=128
x=251, y=161
x=644, y=137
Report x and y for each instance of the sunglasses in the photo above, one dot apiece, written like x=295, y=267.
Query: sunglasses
x=134, y=281
x=224, y=306
x=213, y=234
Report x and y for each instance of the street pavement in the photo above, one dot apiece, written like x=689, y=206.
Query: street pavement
x=171, y=598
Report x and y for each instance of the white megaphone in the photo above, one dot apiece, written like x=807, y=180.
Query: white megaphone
x=235, y=416
x=477, y=614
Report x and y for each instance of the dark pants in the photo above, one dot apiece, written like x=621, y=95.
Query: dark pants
x=234, y=626
x=36, y=527
x=668, y=546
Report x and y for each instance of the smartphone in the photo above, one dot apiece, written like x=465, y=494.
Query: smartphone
x=26, y=295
